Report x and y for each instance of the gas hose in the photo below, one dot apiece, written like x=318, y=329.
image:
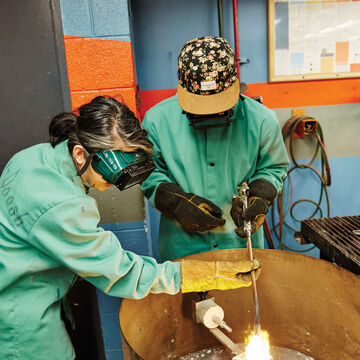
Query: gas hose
x=289, y=131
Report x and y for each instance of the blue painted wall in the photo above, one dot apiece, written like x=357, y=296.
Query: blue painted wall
x=133, y=237
x=306, y=185
x=161, y=27
x=96, y=18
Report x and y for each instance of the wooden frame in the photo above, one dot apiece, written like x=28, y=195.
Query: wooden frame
x=324, y=59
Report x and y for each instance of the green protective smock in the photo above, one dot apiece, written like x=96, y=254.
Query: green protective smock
x=211, y=163
x=49, y=234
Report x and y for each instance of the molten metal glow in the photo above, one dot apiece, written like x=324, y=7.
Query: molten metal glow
x=258, y=347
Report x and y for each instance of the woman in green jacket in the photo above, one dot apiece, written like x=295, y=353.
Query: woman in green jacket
x=49, y=230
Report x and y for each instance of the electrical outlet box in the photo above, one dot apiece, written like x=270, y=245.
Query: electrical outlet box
x=305, y=127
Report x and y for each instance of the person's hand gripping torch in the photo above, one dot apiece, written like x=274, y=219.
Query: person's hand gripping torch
x=242, y=190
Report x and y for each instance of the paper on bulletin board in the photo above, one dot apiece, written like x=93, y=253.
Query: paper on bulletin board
x=312, y=39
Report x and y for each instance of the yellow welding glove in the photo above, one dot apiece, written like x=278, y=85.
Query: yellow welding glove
x=197, y=275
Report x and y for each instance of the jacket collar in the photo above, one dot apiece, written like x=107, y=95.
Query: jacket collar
x=239, y=108
x=66, y=165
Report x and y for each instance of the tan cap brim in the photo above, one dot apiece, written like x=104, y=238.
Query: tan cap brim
x=208, y=104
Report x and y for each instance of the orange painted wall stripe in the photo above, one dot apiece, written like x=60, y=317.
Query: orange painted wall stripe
x=283, y=95
x=307, y=93
x=97, y=66
x=149, y=98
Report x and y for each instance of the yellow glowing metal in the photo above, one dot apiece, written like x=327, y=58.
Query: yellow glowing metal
x=258, y=347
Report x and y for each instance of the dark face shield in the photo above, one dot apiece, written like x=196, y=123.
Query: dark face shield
x=222, y=119
x=123, y=169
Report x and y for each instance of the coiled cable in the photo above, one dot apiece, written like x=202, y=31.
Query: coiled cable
x=289, y=132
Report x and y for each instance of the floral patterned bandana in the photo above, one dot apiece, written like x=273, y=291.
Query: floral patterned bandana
x=207, y=76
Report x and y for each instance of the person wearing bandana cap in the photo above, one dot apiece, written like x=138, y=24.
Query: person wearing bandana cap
x=208, y=139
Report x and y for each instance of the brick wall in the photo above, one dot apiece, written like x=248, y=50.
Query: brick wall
x=100, y=61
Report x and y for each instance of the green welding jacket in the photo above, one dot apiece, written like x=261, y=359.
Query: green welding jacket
x=211, y=163
x=48, y=236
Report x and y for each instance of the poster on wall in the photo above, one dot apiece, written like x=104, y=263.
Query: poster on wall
x=313, y=39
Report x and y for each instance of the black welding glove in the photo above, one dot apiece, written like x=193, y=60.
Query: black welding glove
x=193, y=212
x=261, y=195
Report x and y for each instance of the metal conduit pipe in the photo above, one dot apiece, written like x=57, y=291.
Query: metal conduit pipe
x=236, y=38
x=237, y=56
x=220, y=17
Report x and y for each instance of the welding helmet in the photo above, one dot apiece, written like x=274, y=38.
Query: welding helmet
x=122, y=169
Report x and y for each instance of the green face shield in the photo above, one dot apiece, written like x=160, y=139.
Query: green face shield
x=123, y=169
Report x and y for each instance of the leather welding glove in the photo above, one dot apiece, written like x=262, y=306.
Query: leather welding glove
x=193, y=212
x=261, y=195
x=197, y=275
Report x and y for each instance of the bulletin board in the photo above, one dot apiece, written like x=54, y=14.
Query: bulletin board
x=313, y=39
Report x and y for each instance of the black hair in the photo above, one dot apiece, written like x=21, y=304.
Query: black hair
x=97, y=126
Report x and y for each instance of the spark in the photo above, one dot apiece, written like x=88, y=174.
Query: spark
x=258, y=347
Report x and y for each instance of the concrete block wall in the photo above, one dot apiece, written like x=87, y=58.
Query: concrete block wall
x=100, y=67
x=98, y=50
x=100, y=61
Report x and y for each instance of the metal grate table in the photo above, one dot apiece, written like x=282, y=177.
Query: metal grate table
x=338, y=239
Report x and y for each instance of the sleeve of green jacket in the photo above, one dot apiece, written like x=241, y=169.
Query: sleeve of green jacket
x=160, y=174
x=68, y=233
x=273, y=160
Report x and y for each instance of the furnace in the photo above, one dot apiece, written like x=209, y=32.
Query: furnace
x=308, y=306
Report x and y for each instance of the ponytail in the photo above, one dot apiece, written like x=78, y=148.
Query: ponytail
x=62, y=127
x=99, y=126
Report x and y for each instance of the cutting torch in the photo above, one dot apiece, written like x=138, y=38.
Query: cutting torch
x=242, y=190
